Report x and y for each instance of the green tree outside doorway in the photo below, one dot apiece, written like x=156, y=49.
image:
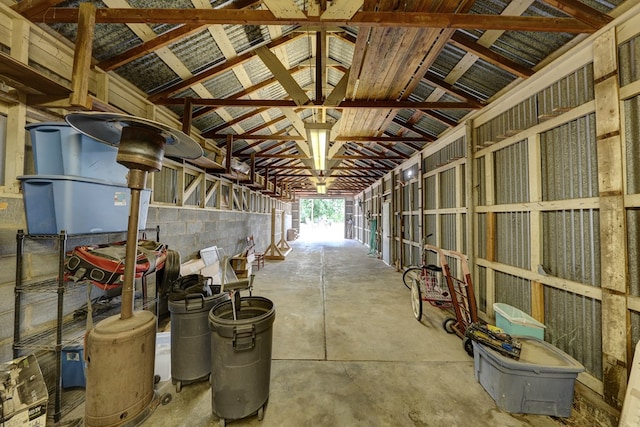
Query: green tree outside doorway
x=314, y=211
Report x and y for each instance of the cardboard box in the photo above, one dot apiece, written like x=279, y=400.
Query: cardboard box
x=242, y=265
x=23, y=393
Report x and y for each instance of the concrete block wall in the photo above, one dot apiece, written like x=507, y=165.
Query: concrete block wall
x=189, y=230
x=186, y=230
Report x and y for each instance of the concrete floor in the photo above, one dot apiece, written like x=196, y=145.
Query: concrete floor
x=347, y=351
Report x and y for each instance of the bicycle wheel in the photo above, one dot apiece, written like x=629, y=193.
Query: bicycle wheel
x=409, y=275
x=416, y=300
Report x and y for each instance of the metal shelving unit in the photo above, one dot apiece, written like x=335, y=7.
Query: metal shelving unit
x=44, y=340
x=69, y=329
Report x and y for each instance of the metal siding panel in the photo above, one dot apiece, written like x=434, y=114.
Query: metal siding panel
x=633, y=246
x=574, y=325
x=569, y=161
x=632, y=143
x=448, y=231
x=514, y=291
x=448, y=189
x=513, y=239
x=430, y=192
x=512, y=173
x=571, y=245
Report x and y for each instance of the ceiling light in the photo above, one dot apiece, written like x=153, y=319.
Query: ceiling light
x=321, y=187
x=318, y=137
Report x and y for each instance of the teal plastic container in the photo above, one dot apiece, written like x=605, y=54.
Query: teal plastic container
x=516, y=322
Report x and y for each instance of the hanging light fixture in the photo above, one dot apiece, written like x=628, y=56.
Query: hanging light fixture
x=318, y=137
x=321, y=187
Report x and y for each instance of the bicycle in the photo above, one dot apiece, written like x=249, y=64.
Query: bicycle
x=426, y=286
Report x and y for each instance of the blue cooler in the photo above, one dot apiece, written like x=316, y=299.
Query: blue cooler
x=73, y=367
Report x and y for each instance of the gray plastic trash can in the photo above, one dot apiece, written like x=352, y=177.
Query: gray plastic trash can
x=191, y=338
x=241, y=357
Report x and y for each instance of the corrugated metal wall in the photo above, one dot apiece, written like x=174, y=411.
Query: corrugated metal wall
x=573, y=323
x=542, y=210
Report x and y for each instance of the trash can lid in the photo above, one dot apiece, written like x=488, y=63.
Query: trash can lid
x=258, y=312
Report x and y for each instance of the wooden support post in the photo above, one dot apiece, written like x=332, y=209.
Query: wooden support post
x=82, y=57
x=253, y=168
x=275, y=248
x=229, y=151
x=535, y=218
x=282, y=244
x=188, y=116
x=613, y=231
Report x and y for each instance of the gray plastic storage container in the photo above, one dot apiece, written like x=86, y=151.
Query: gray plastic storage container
x=241, y=357
x=191, y=338
x=540, y=382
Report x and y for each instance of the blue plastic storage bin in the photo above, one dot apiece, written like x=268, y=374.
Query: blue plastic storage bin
x=73, y=367
x=59, y=149
x=516, y=322
x=78, y=205
x=540, y=382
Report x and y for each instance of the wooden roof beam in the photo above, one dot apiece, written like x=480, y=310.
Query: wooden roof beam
x=581, y=12
x=286, y=103
x=360, y=19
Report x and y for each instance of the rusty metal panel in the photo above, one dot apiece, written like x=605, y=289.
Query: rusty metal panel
x=569, y=161
x=574, y=324
x=513, y=239
x=512, y=173
x=571, y=245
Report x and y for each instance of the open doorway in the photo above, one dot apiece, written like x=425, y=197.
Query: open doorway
x=322, y=219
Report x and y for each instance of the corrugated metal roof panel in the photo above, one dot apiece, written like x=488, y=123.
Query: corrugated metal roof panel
x=149, y=73
x=224, y=85
x=340, y=50
x=198, y=51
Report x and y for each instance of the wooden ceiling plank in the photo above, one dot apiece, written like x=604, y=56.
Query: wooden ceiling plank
x=342, y=9
x=29, y=80
x=284, y=9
